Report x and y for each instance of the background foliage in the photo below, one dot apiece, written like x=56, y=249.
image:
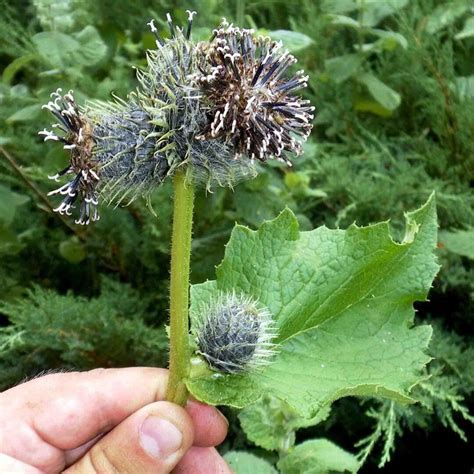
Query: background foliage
x=393, y=83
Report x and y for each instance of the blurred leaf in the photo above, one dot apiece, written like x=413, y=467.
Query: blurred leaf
x=256, y=207
x=363, y=104
x=338, y=6
x=10, y=71
x=383, y=94
x=292, y=40
x=9, y=242
x=390, y=40
x=298, y=182
x=28, y=113
x=310, y=148
x=56, y=48
x=56, y=15
x=460, y=242
x=245, y=463
x=318, y=456
x=343, y=67
x=464, y=86
x=9, y=202
x=271, y=423
x=468, y=30
x=374, y=11
x=445, y=15
x=92, y=47
x=261, y=199
x=343, y=20
x=72, y=250
x=343, y=303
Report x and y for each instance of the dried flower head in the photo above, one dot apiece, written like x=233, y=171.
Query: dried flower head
x=170, y=94
x=75, y=132
x=250, y=101
x=198, y=107
x=111, y=153
x=234, y=334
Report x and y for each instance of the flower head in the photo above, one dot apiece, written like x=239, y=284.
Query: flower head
x=234, y=334
x=171, y=95
x=250, y=101
x=75, y=132
x=198, y=106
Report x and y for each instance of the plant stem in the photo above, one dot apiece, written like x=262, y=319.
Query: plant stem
x=179, y=288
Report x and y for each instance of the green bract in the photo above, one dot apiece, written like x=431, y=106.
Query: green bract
x=343, y=304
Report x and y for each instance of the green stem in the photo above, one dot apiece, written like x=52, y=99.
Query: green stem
x=179, y=288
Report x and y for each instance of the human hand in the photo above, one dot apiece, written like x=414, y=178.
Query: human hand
x=106, y=421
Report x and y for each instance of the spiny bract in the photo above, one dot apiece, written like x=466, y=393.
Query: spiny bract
x=234, y=333
x=198, y=107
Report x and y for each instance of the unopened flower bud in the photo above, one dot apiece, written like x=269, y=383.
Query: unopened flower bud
x=234, y=334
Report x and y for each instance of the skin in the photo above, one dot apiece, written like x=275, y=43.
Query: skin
x=87, y=422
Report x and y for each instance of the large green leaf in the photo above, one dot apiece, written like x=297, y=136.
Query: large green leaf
x=342, y=301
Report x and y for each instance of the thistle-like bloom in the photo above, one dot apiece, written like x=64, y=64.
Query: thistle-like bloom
x=234, y=334
x=249, y=98
x=198, y=106
x=111, y=153
x=75, y=132
x=173, y=98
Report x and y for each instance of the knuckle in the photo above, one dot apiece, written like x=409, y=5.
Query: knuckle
x=99, y=461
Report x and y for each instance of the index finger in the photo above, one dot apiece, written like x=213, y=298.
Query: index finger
x=67, y=410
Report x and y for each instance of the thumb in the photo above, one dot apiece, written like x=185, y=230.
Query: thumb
x=153, y=439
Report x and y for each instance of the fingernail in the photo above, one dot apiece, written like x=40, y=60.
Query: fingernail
x=159, y=437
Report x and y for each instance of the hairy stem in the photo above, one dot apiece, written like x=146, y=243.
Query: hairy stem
x=179, y=288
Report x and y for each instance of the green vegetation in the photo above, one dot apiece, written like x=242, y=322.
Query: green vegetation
x=393, y=83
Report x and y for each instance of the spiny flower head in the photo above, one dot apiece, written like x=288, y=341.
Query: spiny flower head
x=130, y=146
x=173, y=98
x=251, y=102
x=234, y=334
x=111, y=153
x=198, y=107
